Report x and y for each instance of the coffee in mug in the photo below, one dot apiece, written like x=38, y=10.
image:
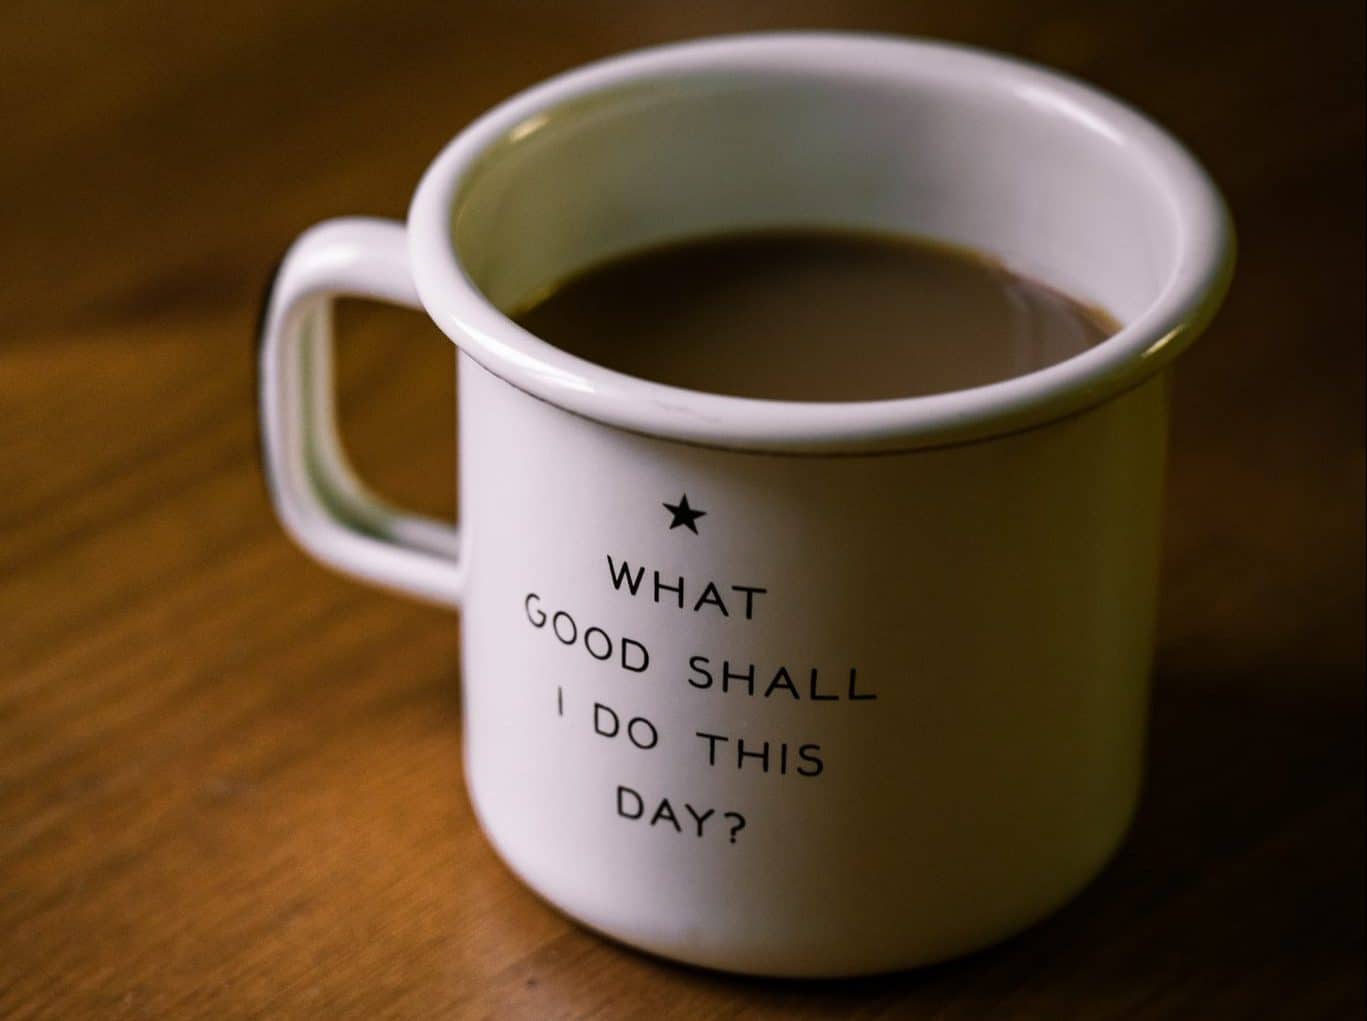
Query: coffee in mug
x=813, y=316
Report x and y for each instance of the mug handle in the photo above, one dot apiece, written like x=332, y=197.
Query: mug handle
x=317, y=495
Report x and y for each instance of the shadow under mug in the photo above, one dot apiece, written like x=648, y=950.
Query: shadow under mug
x=797, y=689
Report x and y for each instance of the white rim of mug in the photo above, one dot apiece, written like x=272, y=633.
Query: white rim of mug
x=1188, y=300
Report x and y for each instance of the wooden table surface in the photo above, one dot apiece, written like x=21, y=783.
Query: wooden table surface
x=230, y=782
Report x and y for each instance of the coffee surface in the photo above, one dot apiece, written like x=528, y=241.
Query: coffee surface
x=813, y=316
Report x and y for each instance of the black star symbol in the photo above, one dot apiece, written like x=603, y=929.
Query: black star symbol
x=684, y=515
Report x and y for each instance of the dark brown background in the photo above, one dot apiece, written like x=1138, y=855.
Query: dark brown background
x=230, y=782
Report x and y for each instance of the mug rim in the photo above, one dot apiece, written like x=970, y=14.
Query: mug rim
x=1188, y=299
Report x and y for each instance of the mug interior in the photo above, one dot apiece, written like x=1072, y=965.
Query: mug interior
x=1008, y=168
x=1058, y=181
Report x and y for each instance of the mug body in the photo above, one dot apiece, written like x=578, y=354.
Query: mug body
x=810, y=689
x=874, y=712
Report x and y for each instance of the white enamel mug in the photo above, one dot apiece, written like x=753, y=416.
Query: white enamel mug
x=785, y=688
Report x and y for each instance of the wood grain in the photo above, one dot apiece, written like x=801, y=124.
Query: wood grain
x=230, y=782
